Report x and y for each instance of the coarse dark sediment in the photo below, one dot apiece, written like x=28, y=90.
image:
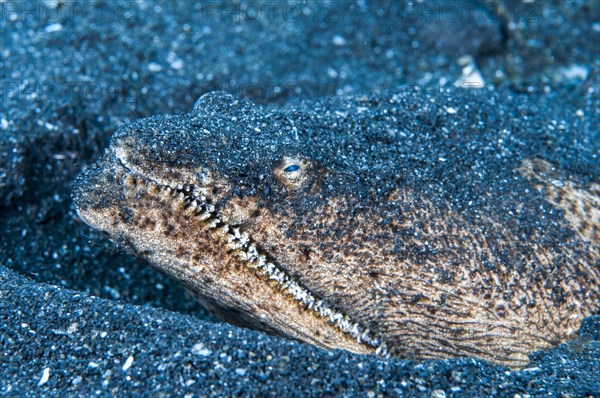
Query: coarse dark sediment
x=71, y=75
x=93, y=346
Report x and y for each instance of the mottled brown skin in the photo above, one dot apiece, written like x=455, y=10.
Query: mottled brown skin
x=427, y=280
x=156, y=227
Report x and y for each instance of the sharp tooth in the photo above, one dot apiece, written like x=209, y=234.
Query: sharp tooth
x=365, y=334
x=252, y=251
x=244, y=239
x=262, y=260
x=270, y=267
x=354, y=331
x=205, y=216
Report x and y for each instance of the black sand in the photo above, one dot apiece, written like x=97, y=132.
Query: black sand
x=71, y=74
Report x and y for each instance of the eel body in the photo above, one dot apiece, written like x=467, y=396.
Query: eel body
x=371, y=225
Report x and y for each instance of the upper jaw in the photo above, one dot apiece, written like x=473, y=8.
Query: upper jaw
x=194, y=182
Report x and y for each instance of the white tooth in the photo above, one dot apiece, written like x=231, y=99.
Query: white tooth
x=204, y=216
x=365, y=334
x=244, y=239
x=302, y=296
x=252, y=252
x=262, y=261
x=270, y=267
x=345, y=324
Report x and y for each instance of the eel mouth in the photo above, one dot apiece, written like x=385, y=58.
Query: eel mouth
x=198, y=196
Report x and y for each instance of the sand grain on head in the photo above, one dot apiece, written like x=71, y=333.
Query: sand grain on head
x=338, y=233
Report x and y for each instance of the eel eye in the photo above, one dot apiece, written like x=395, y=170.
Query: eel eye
x=290, y=168
x=293, y=172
